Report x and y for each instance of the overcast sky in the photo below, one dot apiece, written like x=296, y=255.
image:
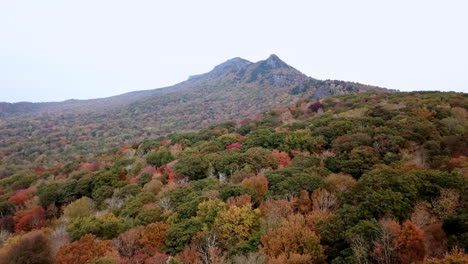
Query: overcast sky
x=57, y=50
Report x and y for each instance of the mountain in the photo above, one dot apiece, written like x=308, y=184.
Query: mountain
x=236, y=89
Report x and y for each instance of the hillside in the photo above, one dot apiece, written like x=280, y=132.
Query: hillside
x=356, y=178
x=49, y=132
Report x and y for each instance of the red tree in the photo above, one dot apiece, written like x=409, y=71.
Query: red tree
x=19, y=199
x=411, y=248
x=83, y=251
x=32, y=218
x=282, y=157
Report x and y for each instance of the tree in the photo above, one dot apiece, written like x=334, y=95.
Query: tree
x=230, y=161
x=193, y=166
x=79, y=208
x=282, y=158
x=236, y=224
x=32, y=248
x=50, y=193
x=260, y=158
x=160, y=158
x=19, y=199
x=411, y=248
x=128, y=243
x=295, y=184
x=258, y=184
x=323, y=200
x=386, y=247
x=347, y=142
x=133, y=206
x=303, y=202
x=300, y=140
x=148, y=216
x=209, y=210
x=293, y=240
x=274, y=212
x=102, y=192
x=107, y=226
x=153, y=236
x=29, y=219
x=447, y=202
x=83, y=251
x=361, y=159
x=189, y=255
x=180, y=234
x=400, y=243
x=338, y=183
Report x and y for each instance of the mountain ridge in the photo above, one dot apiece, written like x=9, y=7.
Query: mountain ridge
x=272, y=61
x=233, y=90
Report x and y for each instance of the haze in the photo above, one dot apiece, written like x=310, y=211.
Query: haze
x=58, y=50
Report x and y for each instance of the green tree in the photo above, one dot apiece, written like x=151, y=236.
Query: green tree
x=193, y=166
x=162, y=157
x=179, y=235
x=50, y=193
x=144, y=178
x=209, y=210
x=79, y=208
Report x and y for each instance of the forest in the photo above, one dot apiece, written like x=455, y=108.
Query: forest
x=348, y=179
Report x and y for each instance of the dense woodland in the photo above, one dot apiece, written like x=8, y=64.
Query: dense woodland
x=357, y=178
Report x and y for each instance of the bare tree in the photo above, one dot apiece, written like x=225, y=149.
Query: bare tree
x=323, y=200
x=361, y=249
x=165, y=203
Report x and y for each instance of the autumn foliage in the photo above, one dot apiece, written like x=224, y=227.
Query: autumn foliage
x=293, y=242
x=375, y=179
x=402, y=243
x=83, y=251
x=29, y=219
x=258, y=184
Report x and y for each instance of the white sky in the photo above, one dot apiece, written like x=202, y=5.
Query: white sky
x=57, y=50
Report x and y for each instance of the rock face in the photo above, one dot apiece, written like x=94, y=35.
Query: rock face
x=233, y=90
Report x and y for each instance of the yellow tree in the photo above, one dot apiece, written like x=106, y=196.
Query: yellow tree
x=236, y=224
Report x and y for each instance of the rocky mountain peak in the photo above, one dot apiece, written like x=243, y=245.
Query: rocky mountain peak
x=275, y=62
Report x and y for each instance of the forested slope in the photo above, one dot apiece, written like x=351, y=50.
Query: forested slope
x=359, y=178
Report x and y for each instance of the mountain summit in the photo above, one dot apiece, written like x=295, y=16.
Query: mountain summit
x=235, y=89
x=274, y=62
